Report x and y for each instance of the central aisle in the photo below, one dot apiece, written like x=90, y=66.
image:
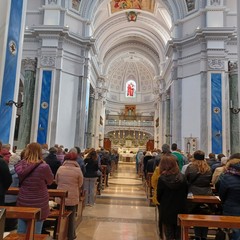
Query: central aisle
x=122, y=211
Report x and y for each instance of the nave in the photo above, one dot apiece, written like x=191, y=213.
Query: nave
x=121, y=212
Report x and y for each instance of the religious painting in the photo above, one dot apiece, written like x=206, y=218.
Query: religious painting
x=130, y=88
x=76, y=4
x=119, y=5
x=132, y=16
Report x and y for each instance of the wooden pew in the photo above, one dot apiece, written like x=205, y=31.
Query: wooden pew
x=189, y=220
x=61, y=215
x=204, y=199
x=28, y=214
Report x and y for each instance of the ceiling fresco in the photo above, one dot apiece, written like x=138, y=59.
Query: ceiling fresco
x=119, y=5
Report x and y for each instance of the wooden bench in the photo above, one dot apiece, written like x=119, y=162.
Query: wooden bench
x=28, y=214
x=60, y=232
x=204, y=199
x=189, y=220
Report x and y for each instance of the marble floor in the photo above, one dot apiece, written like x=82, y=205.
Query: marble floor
x=122, y=212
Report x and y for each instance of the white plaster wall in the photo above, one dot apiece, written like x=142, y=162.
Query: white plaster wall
x=214, y=19
x=66, y=120
x=51, y=17
x=191, y=107
x=71, y=67
x=75, y=24
x=34, y=14
x=190, y=25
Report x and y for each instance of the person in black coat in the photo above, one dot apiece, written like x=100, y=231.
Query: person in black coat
x=5, y=179
x=53, y=163
x=229, y=190
x=172, y=190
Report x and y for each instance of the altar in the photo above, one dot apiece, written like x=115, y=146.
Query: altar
x=127, y=154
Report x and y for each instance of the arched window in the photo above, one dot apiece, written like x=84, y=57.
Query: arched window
x=131, y=88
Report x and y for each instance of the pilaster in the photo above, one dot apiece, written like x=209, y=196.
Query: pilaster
x=29, y=66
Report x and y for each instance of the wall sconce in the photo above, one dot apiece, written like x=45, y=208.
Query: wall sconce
x=233, y=109
x=218, y=134
x=11, y=102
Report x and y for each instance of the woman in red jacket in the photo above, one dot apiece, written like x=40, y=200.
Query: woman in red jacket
x=34, y=176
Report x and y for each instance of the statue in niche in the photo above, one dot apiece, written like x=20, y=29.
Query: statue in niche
x=190, y=5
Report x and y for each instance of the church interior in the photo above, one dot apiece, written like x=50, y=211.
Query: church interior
x=128, y=75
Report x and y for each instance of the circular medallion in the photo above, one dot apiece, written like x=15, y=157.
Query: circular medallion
x=44, y=105
x=216, y=110
x=12, y=47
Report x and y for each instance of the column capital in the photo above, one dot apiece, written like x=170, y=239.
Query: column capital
x=29, y=64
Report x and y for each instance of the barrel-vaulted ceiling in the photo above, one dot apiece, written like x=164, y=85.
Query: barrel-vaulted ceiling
x=131, y=36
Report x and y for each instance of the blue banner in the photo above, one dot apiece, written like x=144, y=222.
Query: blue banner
x=44, y=107
x=216, y=108
x=10, y=68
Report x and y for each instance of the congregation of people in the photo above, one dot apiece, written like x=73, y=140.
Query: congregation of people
x=39, y=168
x=175, y=177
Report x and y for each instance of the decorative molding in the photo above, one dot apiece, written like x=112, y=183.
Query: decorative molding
x=132, y=16
x=52, y=1
x=215, y=2
x=47, y=61
x=216, y=64
x=29, y=64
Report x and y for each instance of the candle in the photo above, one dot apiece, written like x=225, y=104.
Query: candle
x=231, y=104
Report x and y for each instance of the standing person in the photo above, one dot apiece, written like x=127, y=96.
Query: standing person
x=69, y=177
x=90, y=176
x=229, y=190
x=172, y=193
x=138, y=159
x=5, y=179
x=105, y=160
x=52, y=161
x=54, y=164
x=199, y=176
x=34, y=176
x=178, y=156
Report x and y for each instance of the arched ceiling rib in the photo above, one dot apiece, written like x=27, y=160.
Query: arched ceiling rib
x=131, y=49
x=135, y=49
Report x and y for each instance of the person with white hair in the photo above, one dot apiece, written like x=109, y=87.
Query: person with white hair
x=219, y=170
